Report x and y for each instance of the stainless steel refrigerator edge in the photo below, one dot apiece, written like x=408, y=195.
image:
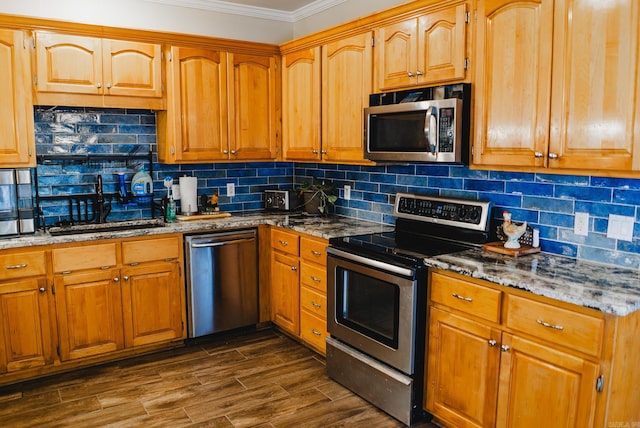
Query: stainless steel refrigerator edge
x=222, y=281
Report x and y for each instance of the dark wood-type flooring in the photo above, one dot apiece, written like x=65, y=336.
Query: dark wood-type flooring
x=257, y=379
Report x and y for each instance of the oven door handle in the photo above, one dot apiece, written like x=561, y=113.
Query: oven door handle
x=372, y=263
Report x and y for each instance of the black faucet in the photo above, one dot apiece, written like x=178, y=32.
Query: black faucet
x=102, y=209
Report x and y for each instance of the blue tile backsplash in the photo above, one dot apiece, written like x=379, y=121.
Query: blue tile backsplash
x=547, y=201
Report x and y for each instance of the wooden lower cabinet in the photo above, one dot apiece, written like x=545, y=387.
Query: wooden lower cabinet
x=285, y=292
x=539, y=363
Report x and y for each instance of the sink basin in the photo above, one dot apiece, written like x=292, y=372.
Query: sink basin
x=113, y=226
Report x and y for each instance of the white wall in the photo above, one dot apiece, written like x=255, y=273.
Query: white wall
x=140, y=14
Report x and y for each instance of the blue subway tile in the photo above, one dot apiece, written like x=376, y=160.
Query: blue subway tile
x=583, y=193
x=529, y=188
x=547, y=204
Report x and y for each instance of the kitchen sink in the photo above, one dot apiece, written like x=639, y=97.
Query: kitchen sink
x=113, y=226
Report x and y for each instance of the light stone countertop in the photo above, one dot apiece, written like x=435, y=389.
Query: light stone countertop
x=610, y=289
x=321, y=227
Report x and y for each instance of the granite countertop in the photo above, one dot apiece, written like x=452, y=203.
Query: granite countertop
x=610, y=289
x=322, y=227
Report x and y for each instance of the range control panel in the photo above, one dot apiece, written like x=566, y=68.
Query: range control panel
x=464, y=213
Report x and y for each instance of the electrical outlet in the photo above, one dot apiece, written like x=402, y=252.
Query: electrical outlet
x=231, y=190
x=347, y=192
x=620, y=227
x=581, y=224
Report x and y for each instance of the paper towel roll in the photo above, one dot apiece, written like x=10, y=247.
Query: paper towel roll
x=188, y=195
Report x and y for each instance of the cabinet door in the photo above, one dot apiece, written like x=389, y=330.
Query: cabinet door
x=89, y=313
x=595, y=71
x=17, y=145
x=69, y=64
x=132, y=69
x=512, y=92
x=285, y=292
x=152, y=303
x=540, y=386
x=194, y=127
x=442, y=45
x=396, y=62
x=253, y=100
x=25, y=332
x=462, y=370
x=301, y=105
x=347, y=83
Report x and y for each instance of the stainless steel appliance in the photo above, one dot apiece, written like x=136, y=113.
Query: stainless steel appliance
x=281, y=200
x=222, y=281
x=420, y=125
x=16, y=202
x=376, y=298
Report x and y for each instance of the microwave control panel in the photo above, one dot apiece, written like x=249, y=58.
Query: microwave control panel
x=446, y=130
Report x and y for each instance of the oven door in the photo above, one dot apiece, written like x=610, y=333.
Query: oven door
x=373, y=307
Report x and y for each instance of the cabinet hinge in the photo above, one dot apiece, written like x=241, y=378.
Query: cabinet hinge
x=467, y=17
x=169, y=57
x=373, y=42
x=53, y=289
x=600, y=383
x=466, y=63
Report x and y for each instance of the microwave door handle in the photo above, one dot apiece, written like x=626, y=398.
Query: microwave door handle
x=431, y=129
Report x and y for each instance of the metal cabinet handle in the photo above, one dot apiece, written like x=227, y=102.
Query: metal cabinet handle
x=284, y=243
x=547, y=325
x=20, y=266
x=538, y=154
x=324, y=152
x=410, y=74
x=105, y=267
x=316, y=253
x=492, y=343
x=418, y=73
x=42, y=289
x=316, y=305
x=315, y=279
x=99, y=85
x=108, y=85
x=505, y=348
x=293, y=268
x=116, y=279
x=466, y=299
x=553, y=156
x=126, y=278
x=226, y=152
x=316, y=332
x=315, y=152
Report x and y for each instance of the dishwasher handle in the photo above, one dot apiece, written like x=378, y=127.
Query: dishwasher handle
x=218, y=243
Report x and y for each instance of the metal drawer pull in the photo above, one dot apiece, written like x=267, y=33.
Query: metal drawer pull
x=505, y=348
x=293, y=268
x=316, y=253
x=492, y=343
x=546, y=324
x=20, y=266
x=285, y=243
x=316, y=332
x=105, y=267
x=314, y=279
x=317, y=305
x=466, y=299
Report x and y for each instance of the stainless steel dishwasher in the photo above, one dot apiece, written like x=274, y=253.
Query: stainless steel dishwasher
x=222, y=281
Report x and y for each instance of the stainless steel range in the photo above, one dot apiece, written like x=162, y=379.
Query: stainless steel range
x=377, y=287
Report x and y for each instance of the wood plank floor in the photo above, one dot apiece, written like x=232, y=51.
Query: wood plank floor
x=257, y=379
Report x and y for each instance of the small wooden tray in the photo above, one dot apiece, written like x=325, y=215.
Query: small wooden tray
x=202, y=216
x=498, y=247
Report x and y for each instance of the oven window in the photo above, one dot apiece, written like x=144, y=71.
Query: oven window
x=369, y=306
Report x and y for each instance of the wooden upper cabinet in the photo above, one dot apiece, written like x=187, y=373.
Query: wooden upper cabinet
x=513, y=82
x=346, y=85
x=556, y=85
x=595, y=86
x=194, y=126
x=421, y=51
x=17, y=145
x=75, y=65
x=253, y=100
x=301, y=105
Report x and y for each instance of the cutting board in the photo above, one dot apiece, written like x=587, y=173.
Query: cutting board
x=202, y=216
x=498, y=247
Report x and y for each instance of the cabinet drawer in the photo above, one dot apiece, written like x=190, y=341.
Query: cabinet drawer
x=557, y=325
x=313, y=276
x=313, y=250
x=84, y=257
x=314, y=302
x=20, y=265
x=285, y=241
x=313, y=330
x=148, y=250
x=466, y=296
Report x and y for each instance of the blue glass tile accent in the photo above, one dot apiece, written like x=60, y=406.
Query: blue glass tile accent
x=484, y=185
x=626, y=196
x=560, y=220
x=603, y=210
x=529, y=188
x=547, y=204
x=584, y=193
x=575, y=180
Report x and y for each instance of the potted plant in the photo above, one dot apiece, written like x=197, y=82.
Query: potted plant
x=317, y=197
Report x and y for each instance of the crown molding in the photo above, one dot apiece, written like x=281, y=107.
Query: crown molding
x=254, y=11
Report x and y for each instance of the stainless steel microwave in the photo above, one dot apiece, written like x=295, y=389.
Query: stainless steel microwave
x=416, y=128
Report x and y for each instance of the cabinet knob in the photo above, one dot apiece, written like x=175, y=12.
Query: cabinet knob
x=505, y=348
x=42, y=289
x=108, y=85
x=99, y=85
x=293, y=268
x=492, y=343
x=410, y=74
x=538, y=154
x=324, y=152
x=553, y=156
x=418, y=73
x=226, y=152
x=233, y=152
x=116, y=279
x=126, y=278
